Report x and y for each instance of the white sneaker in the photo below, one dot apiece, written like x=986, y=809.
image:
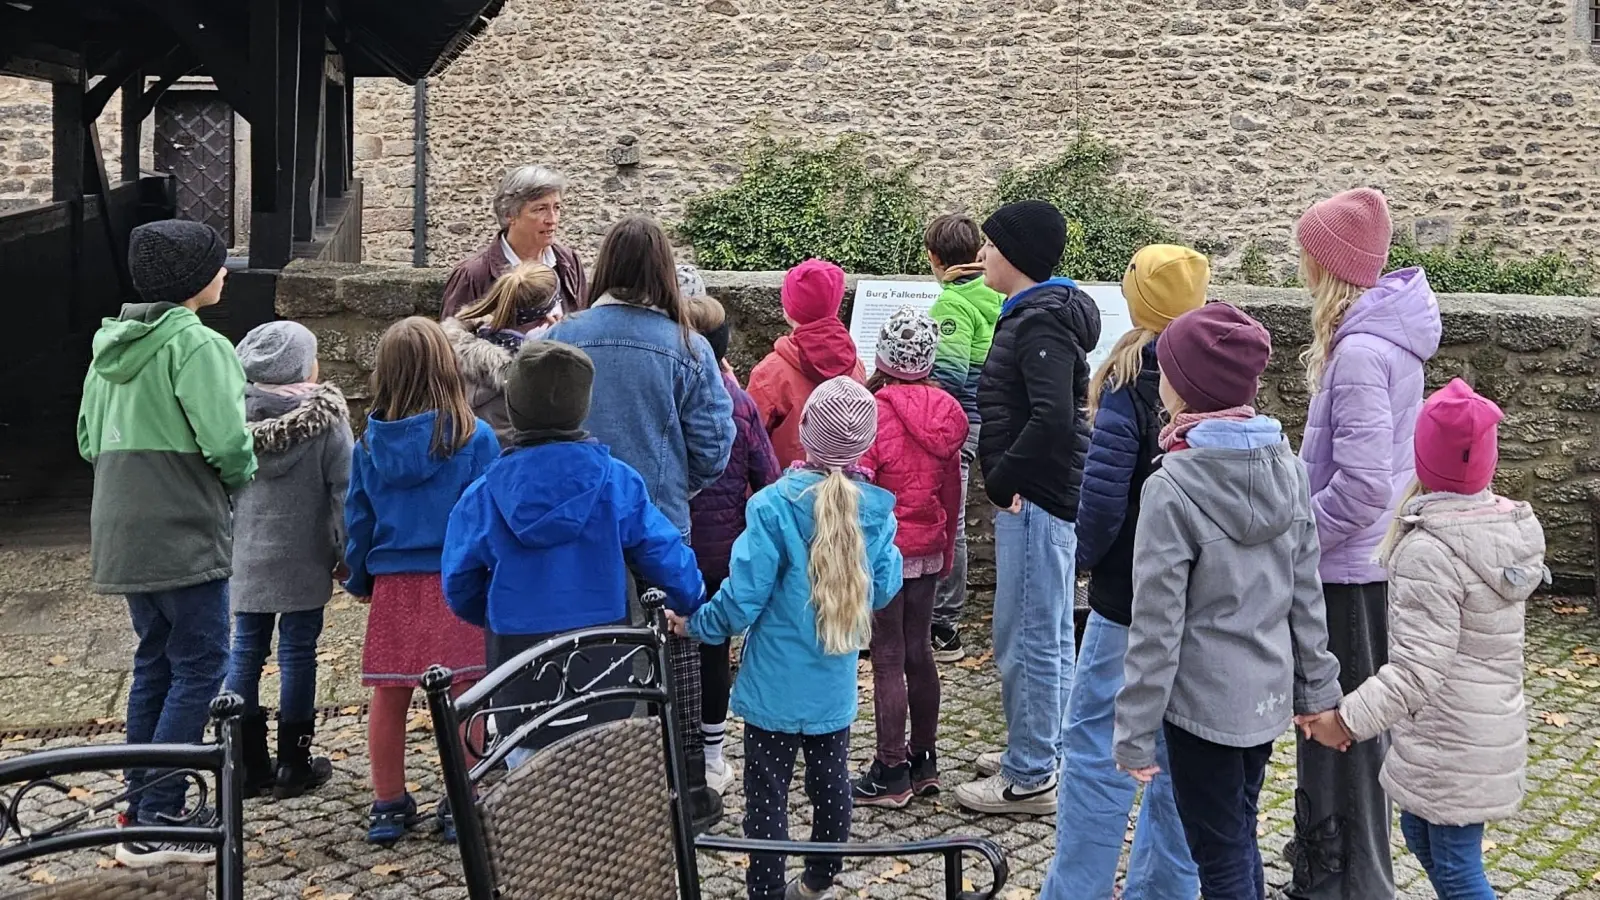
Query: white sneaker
x=141, y=855
x=997, y=795
x=719, y=775
x=988, y=763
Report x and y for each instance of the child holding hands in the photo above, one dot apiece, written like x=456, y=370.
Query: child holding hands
x=1462, y=562
x=1227, y=628
x=817, y=558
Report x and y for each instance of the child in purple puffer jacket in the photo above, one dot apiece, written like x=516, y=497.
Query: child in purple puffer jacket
x=716, y=516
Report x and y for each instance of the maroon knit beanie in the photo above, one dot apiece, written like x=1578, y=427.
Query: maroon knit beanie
x=1214, y=356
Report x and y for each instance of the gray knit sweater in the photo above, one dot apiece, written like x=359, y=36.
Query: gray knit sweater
x=288, y=524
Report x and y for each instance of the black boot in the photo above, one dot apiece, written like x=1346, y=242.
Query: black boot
x=705, y=804
x=258, y=768
x=298, y=771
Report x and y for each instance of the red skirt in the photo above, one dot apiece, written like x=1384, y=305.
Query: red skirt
x=410, y=627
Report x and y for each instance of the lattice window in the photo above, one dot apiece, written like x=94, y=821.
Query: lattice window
x=1594, y=21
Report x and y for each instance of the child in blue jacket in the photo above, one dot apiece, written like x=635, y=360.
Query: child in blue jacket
x=422, y=447
x=808, y=615
x=543, y=542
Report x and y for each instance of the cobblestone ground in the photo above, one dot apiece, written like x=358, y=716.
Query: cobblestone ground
x=312, y=847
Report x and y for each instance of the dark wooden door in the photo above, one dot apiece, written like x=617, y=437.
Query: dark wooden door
x=194, y=142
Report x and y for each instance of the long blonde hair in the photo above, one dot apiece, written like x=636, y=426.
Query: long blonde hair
x=841, y=588
x=1397, y=525
x=1331, y=298
x=416, y=372
x=1120, y=369
x=529, y=286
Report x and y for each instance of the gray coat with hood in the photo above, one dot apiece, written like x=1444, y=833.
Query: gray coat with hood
x=1228, y=639
x=288, y=523
x=483, y=368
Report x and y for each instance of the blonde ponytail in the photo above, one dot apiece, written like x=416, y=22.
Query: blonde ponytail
x=1330, y=300
x=1120, y=369
x=840, y=586
x=1397, y=525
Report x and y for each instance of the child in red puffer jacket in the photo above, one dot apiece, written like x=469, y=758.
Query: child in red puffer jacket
x=917, y=456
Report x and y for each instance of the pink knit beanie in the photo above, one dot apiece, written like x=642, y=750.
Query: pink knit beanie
x=1348, y=234
x=839, y=423
x=812, y=290
x=1457, y=445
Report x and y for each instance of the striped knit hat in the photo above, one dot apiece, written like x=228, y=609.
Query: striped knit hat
x=839, y=423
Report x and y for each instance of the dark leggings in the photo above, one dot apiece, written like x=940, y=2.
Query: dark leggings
x=716, y=675
x=1218, y=792
x=768, y=767
x=903, y=674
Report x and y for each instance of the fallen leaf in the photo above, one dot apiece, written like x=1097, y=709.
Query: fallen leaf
x=337, y=755
x=341, y=896
x=975, y=662
x=1559, y=720
x=413, y=786
x=311, y=890
x=387, y=868
x=79, y=793
x=1018, y=894
x=58, y=660
x=269, y=669
x=419, y=721
x=966, y=885
x=1488, y=845
x=107, y=862
x=290, y=854
x=255, y=853
x=349, y=710
x=1571, y=610
x=41, y=876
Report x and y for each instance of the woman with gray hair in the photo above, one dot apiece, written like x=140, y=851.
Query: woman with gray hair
x=528, y=208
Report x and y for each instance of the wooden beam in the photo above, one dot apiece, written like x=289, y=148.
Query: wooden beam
x=221, y=49
x=119, y=72
x=132, y=126
x=274, y=78
x=333, y=149
x=152, y=96
x=42, y=62
x=94, y=174
x=66, y=114
x=308, y=118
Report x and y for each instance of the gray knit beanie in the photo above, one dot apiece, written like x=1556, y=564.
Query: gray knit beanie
x=548, y=386
x=281, y=352
x=173, y=260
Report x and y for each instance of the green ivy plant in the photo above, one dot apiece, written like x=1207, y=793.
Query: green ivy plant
x=1255, y=268
x=792, y=202
x=1474, y=267
x=1107, y=220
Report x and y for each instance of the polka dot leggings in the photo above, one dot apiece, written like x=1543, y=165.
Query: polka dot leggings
x=768, y=767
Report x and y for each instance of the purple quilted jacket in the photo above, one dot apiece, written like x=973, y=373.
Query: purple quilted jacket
x=1357, y=446
x=716, y=514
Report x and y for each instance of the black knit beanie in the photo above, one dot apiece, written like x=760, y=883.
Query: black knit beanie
x=547, y=387
x=172, y=260
x=718, y=339
x=1031, y=235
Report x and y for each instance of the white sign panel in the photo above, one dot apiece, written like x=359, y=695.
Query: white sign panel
x=875, y=300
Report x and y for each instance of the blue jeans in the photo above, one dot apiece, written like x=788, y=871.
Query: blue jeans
x=1218, y=792
x=297, y=660
x=1452, y=855
x=1035, y=556
x=1094, y=799
x=177, y=669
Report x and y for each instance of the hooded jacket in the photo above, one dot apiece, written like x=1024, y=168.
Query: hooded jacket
x=401, y=496
x=1370, y=397
x=1035, y=382
x=288, y=523
x=162, y=421
x=717, y=513
x=786, y=682
x=1122, y=454
x=544, y=540
x=471, y=279
x=966, y=312
x=1229, y=639
x=1451, y=694
x=799, y=361
x=917, y=457
x=483, y=367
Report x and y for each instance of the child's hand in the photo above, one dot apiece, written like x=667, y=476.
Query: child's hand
x=679, y=625
x=1144, y=775
x=1326, y=729
x=1016, y=505
x=341, y=571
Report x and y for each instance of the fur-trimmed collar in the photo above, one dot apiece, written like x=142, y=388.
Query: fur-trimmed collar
x=482, y=362
x=323, y=408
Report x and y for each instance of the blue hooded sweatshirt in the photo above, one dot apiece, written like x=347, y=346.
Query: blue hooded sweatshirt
x=401, y=495
x=544, y=540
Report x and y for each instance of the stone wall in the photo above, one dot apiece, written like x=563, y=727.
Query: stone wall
x=1538, y=357
x=1234, y=114
x=25, y=141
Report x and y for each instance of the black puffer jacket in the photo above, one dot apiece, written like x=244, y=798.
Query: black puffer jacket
x=1031, y=397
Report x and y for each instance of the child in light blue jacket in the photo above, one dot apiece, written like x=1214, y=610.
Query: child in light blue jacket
x=808, y=616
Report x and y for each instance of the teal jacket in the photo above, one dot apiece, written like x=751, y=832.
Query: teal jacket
x=786, y=682
x=966, y=311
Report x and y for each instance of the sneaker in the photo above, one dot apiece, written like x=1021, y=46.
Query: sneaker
x=144, y=854
x=947, y=644
x=988, y=763
x=883, y=786
x=447, y=821
x=719, y=775
x=389, y=820
x=997, y=795
x=925, y=773
x=797, y=890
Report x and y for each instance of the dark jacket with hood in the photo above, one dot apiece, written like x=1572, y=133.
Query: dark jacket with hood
x=1035, y=383
x=1122, y=453
x=288, y=524
x=401, y=496
x=544, y=541
x=717, y=513
x=471, y=279
x=782, y=383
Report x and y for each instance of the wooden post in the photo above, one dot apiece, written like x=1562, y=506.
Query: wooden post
x=308, y=117
x=66, y=117
x=132, y=126
x=333, y=150
x=274, y=70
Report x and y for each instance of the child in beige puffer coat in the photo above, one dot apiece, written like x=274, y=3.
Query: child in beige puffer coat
x=1462, y=562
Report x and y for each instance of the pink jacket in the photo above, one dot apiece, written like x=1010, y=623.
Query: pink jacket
x=781, y=383
x=917, y=457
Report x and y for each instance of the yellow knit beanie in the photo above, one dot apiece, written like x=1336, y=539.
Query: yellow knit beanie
x=1163, y=282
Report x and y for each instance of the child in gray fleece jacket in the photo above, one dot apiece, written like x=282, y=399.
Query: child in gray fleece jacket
x=1228, y=639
